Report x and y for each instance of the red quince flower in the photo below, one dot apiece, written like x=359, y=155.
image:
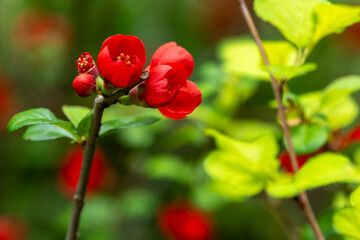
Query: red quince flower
x=12, y=228
x=187, y=99
x=84, y=85
x=70, y=171
x=172, y=53
x=182, y=221
x=163, y=84
x=86, y=64
x=121, y=60
x=284, y=158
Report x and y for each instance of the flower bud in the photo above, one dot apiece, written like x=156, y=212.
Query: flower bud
x=84, y=85
x=86, y=64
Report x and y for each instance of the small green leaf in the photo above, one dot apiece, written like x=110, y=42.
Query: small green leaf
x=241, y=57
x=334, y=18
x=355, y=197
x=347, y=222
x=242, y=167
x=126, y=122
x=84, y=125
x=318, y=171
x=75, y=113
x=288, y=72
x=340, y=88
x=294, y=18
x=308, y=138
x=50, y=131
x=32, y=117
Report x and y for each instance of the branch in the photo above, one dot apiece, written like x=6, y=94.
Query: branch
x=303, y=200
x=100, y=103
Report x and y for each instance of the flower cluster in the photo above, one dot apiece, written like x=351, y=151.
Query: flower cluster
x=182, y=221
x=121, y=60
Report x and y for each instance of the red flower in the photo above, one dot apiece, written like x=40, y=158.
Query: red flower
x=121, y=60
x=163, y=84
x=70, y=171
x=171, y=53
x=12, y=229
x=187, y=99
x=182, y=221
x=86, y=64
x=84, y=85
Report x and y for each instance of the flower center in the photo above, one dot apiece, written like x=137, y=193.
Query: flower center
x=84, y=63
x=125, y=58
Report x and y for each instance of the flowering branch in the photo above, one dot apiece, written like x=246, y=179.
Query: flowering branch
x=302, y=199
x=100, y=103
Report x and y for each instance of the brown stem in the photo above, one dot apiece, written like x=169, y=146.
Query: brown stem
x=276, y=210
x=101, y=102
x=303, y=200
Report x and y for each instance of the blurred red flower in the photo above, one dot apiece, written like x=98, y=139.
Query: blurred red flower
x=36, y=28
x=284, y=158
x=181, y=221
x=8, y=102
x=12, y=228
x=121, y=60
x=70, y=171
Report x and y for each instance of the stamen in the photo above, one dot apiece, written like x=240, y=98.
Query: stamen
x=128, y=63
x=127, y=58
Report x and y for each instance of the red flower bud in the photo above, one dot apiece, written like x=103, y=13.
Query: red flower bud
x=163, y=84
x=84, y=85
x=182, y=221
x=70, y=171
x=171, y=53
x=187, y=99
x=86, y=64
x=121, y=60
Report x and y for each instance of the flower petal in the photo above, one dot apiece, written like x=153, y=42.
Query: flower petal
x=185, y=102
x=105, y=63
x=160, y=52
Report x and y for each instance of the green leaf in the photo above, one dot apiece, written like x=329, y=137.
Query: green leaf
x=75, y=113
x=32, y=117
x=242, y=167
x=50, y=131
x=308, y=138
x=126, y=122
x=288, y=72
x=355, y=197
x=242, y=57
x=334, y=18
x=340, y=112
x=340, y=88
x=294, y=18
x=347, y=222
x=321, y=170
x=84, y=125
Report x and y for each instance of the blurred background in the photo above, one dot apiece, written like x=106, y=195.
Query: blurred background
x=141, y=176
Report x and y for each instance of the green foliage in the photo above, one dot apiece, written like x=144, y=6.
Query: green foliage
x=32, y=117
x=308, y=138
x=242, y=168
x=305, y=22
x=321, y=170
x=126, y=122
x=347, y=220
x=83, y=127
x=75, y=113
x=50, y=131
x=241, y=57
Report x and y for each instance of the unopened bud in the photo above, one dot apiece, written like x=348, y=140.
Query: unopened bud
x=84, y=85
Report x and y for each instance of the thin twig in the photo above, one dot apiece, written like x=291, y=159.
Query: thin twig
x=101, y=102
x=274, y=207
x=303, y=200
